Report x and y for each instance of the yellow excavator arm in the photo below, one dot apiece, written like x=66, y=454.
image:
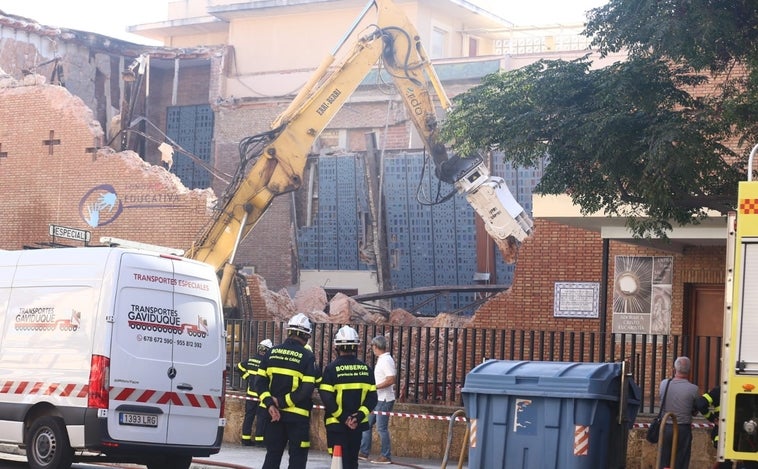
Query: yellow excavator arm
x=274, y=162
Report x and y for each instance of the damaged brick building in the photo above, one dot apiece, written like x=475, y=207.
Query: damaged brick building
x=56, y=178
x=191, y=98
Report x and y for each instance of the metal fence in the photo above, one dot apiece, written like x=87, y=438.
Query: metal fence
x=433, y=361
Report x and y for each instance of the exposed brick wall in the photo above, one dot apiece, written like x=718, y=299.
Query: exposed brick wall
x=555, y=253
x=558, y=253
x=40, y=188
x=270, y=245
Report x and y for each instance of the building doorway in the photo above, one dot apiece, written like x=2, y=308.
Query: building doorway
x=704, y=304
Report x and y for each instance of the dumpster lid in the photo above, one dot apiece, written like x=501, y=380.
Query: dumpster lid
x=555, y=379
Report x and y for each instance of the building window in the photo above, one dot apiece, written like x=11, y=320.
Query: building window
x=439, y=43
x=473, y=47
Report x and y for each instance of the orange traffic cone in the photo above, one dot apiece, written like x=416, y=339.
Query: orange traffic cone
x=336, y=457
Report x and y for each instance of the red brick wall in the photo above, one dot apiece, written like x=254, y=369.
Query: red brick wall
x=555, y=253
x=558, y=253
x=270, y=245
x=40, y=188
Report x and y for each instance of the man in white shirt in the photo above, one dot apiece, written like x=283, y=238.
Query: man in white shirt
x=385, y=374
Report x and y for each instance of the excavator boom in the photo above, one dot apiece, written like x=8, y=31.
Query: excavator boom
x=274, y=162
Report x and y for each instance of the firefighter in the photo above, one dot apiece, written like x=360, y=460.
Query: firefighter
x=285, y=383
x=709, y=404
x=348, y=392
x=249, y=369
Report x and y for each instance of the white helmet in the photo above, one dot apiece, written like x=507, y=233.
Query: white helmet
x=346, y=336
x=265, y=345
x=300, y=323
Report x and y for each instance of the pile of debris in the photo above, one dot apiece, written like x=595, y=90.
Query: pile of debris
x=341, y=309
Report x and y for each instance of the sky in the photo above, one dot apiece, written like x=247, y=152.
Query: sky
x=112, y=17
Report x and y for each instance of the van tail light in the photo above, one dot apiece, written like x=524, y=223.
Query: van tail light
x=99, y=377
x=223, y=393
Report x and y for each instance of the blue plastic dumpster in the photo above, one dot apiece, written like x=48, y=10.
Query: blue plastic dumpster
x=549, y=415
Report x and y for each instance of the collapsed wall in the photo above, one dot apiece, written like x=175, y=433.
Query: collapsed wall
x=56, y=170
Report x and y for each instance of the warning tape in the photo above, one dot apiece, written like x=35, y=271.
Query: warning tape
x=376, y=412
x=694, y=425
x=457, y=418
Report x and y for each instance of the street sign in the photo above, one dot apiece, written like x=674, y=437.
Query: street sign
x=69, y=233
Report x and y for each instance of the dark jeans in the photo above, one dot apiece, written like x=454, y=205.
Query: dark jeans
x=382, y=424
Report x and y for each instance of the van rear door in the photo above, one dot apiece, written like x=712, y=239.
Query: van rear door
x=199, y=356
x=167, y=360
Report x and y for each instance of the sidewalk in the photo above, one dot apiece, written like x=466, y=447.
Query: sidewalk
x=246, y=457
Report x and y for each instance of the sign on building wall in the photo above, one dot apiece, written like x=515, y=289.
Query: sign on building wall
x=576, y=299
x=642, y=294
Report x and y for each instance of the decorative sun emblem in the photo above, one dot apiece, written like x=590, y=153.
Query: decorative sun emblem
x=633, y=285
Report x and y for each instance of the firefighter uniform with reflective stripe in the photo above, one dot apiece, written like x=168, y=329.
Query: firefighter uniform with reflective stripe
x=709, y=404
x=286, y=380
x=253, y=409
x=347, y=390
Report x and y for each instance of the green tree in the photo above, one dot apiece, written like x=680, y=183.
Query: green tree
x=637, y=138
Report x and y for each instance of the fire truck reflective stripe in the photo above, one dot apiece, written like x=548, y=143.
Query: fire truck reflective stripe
x=581, y=440
x=51, y=389
x=35, y=388
x=749, y=206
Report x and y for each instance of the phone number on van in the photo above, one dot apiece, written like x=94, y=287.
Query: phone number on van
x=163, y=340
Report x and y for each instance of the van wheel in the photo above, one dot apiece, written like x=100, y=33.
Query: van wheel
x=47, y=445
x=172, y=461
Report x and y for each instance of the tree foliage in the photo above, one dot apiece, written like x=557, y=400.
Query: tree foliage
x=637, y=138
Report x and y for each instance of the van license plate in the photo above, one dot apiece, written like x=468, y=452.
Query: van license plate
x=142, y=420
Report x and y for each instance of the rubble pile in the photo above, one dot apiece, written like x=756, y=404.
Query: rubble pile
x=341, y=309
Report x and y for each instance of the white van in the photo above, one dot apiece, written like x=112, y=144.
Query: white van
x=110, y=354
